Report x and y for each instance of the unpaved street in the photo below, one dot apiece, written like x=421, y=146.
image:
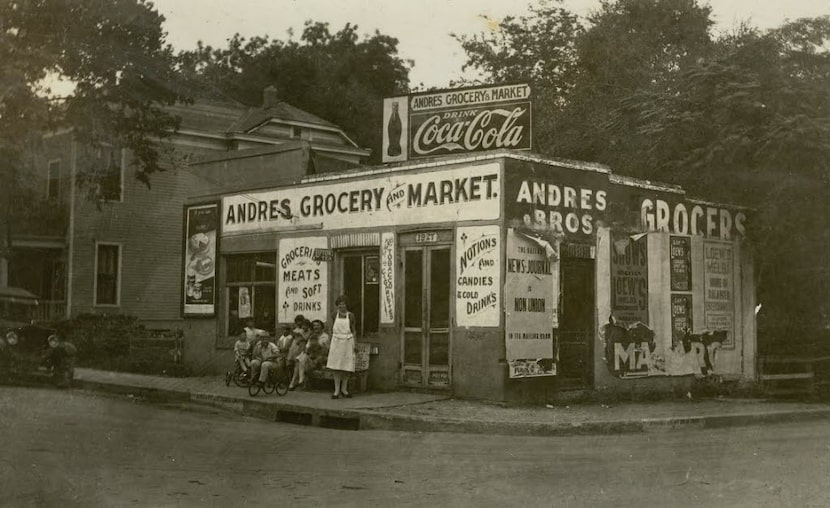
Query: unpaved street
x=76, y=449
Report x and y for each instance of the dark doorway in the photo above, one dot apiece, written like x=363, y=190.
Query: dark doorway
x=361, y=286
x=576, y=324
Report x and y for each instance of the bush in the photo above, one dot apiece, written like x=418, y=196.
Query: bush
x=118, y=342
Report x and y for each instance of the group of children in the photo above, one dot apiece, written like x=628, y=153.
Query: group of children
x=300, y=349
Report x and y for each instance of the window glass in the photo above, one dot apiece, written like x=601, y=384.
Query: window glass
x=106, y=287
x=53, y=180
x=251, y=289
x=111, y=179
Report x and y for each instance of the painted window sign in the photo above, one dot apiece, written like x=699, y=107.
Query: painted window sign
x=680, y=264
x=200, y=250
x=629, y=280
x=387, y=278
x=463, y=193
x=531, y=291
x=302, y=279
x=477, y=269
x=457, y=121
x=718, y=295
x=691, y=219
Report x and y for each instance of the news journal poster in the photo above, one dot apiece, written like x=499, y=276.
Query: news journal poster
x=200, y=251
x=531, y=293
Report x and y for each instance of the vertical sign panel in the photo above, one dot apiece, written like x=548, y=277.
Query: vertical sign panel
x=680, y=249
x=681, y=316
x=718, y=303
x=629, y=280
x=200, y=251
x=477, y=269
x=387, y=278
x=530, y=300
x=303, y=279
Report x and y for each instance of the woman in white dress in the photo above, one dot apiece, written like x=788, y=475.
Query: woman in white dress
x=342, y=349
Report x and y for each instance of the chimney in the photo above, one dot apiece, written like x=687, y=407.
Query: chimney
x=270, y=97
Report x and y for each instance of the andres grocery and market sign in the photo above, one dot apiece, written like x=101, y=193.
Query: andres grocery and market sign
x=457, y=121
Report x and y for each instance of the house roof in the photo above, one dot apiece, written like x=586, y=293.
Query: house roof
x=255, y=117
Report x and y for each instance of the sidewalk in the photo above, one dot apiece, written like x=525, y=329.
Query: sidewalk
x=432, y=413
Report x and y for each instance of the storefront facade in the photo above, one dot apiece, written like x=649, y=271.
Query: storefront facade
x=490, y=276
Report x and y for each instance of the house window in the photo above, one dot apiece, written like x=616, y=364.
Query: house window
x=53, y=180
x=250, y=282
x=296, y=132
x=107, y=273
x=111, y=183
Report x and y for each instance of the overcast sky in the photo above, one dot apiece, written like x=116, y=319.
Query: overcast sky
x=422, y=27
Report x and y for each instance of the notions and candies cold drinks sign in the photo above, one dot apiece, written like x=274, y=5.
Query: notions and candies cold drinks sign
x=478, y=265
x=457, y=121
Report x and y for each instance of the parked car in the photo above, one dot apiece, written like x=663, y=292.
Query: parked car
x=22, y=342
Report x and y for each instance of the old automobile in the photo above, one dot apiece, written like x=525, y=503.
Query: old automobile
x=22, y=342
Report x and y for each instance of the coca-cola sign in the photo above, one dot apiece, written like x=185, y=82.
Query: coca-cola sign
x=457, y=121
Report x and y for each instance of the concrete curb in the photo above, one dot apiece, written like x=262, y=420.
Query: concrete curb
x=366, y=419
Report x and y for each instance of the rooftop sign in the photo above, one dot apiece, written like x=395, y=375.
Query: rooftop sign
x=456, y=121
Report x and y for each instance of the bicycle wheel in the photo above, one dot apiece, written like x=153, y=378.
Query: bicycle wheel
x=240, y=378
x=228, y=377
x=269, y=387
x=253, y=389
x=281, y=388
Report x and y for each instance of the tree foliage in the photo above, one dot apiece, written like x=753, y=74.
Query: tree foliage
x=338, y=76
x=743, y=117
x=123, y=72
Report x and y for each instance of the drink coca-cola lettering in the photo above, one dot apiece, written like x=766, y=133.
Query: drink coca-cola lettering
x=472, y=130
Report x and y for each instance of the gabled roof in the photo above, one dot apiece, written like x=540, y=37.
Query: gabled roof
x=255, y=117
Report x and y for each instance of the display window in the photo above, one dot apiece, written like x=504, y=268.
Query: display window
x=250, y=283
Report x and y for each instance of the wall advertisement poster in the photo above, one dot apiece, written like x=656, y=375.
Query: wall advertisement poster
x=303, y=279
x=531, y=292
x=200, y=239
x=629, y=280
x=718, y=295
x=477, y=270
x=680, y=264
x=387, y=278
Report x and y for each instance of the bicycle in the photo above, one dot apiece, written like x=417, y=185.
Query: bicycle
x=277, y=381
x=238, y=376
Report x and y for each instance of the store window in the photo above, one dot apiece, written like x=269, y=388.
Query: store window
x=250, y=283
x=107, y=273
x=53, y=180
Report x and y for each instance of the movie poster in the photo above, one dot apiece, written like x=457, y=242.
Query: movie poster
x=629, y=280
x=718, y=295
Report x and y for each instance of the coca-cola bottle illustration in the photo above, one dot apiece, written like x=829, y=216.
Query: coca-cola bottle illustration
x=394, y=129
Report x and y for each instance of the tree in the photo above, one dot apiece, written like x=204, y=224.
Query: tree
x=742, y=118
x=124, y=75
x=336, y=76
x=115, y=55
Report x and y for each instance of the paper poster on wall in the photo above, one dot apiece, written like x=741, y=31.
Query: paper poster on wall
x=531, y=292
x=718, y=295
x=681, y=316
x=629, y=280
x=387, y=278
x=303, y=279
x=680, y=267
x=244, y=306
x=201, y=224
x=477, y=270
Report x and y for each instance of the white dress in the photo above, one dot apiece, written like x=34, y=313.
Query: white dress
x=341, y=350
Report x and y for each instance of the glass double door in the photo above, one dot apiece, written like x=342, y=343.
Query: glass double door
x=426, y=312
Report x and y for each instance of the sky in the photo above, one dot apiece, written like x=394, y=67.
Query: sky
x=422, y=27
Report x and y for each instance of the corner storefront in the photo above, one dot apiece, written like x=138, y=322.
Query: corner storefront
x=491, y=276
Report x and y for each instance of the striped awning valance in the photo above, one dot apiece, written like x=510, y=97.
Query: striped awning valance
x=355, y=240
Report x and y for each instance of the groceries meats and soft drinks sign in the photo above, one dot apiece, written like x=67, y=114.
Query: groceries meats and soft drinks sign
x=456, y=121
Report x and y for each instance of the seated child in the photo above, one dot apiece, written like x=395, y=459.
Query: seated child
x=241, y=352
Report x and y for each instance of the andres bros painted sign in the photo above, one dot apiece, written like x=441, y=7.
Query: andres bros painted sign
x=457, y=121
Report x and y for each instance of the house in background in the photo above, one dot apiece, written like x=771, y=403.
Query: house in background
x=123, y=254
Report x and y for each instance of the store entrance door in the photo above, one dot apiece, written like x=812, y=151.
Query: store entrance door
x=426, y=311
x=576, y=324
